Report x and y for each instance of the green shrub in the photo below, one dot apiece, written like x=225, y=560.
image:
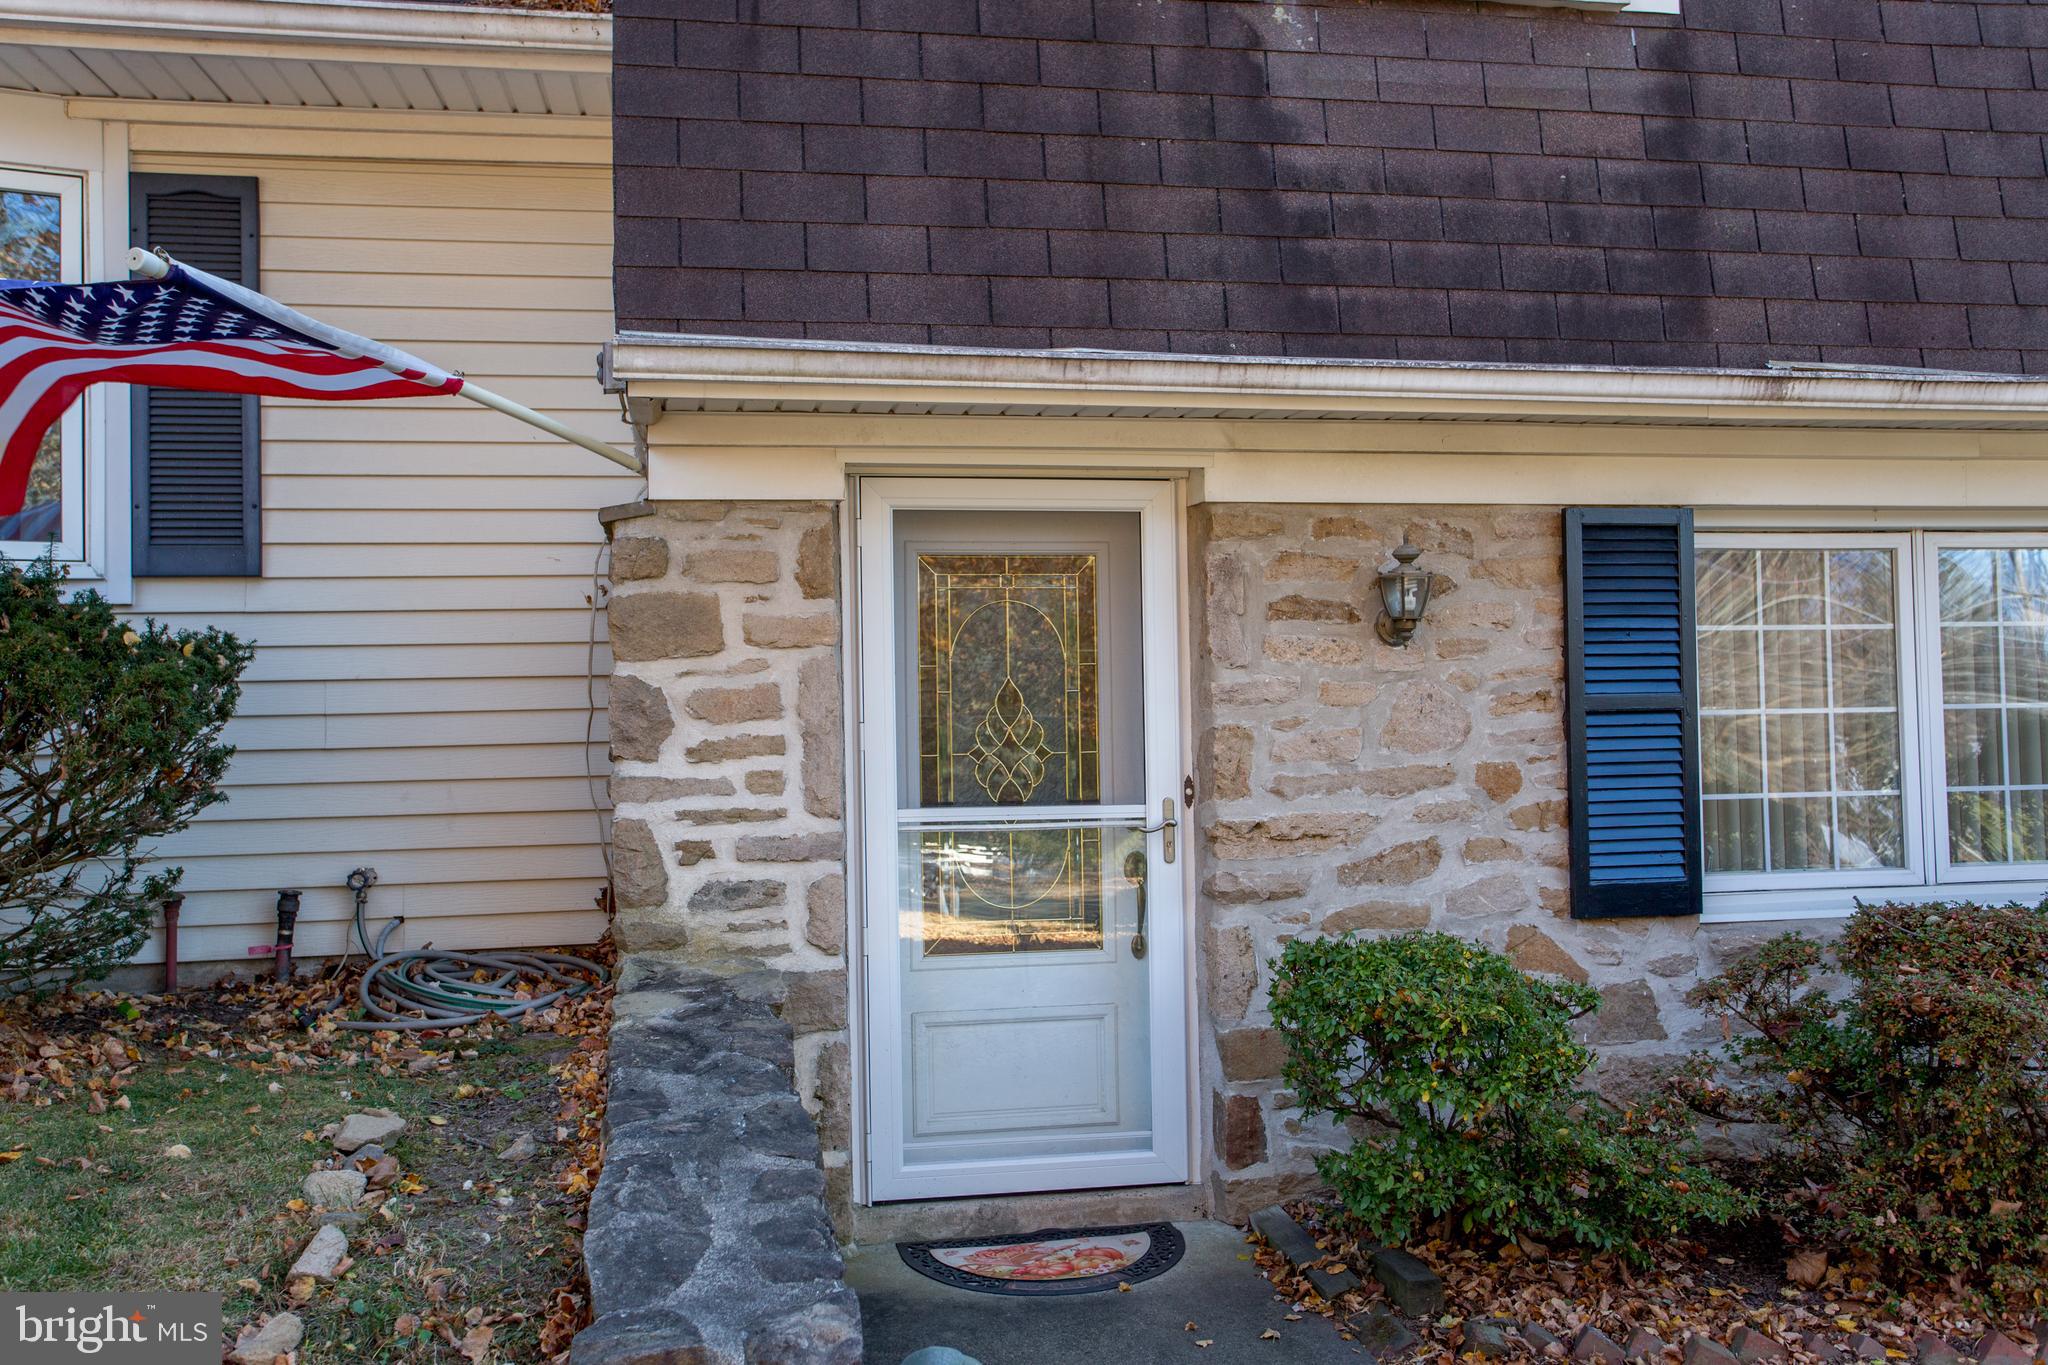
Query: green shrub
x=1456, y=1074
x=1912, y=1106
x=109, y=737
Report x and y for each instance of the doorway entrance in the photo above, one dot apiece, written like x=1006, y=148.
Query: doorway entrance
x=1020, y=748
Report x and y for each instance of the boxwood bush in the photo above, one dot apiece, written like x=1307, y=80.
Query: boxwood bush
x=1457, y=1075
x=1910, y=1100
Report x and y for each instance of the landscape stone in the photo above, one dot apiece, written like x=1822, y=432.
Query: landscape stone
x=1814, y=1344
x=334, y=1189
x=380, y=1126
x=1751, y=1346
x=1704, y=1350
x=1411, y=1286
x=1488, y=1337
x=1643, y=1346
x=1930, y=1349
x=1999, y=1349
x=520, y=1148
x=1380, y=1332
x=1291, y=1240
x=323, y=1255
x=1541, y=1340
x=279, y=1335
x=1866, y=1347
x=1592, y=1344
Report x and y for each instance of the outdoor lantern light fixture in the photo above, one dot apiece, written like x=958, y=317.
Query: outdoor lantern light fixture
x=1404, y=595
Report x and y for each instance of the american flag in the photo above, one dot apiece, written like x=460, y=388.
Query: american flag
x=188, y=330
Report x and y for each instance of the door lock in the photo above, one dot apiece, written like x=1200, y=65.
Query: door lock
x=1168, y=823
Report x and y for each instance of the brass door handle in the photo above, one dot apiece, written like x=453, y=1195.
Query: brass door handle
x=1169, y=821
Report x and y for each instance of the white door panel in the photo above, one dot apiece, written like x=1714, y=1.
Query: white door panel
x=1025, y=947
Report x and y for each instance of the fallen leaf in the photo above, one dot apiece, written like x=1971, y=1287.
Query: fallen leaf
x=15, y=1155
x=1269, y=1335
x=406, y=1325
x=1206, y=1342
x=437, y=1120
x=1807, y=1267
x=475, y=1342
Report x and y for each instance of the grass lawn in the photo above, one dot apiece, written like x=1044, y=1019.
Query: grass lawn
x=464, y=1259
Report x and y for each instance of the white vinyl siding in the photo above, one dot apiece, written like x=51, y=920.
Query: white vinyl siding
x=418, y=699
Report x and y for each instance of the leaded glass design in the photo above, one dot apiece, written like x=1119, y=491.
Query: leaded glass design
x=1008, y=716
x=1994, y=703
x=1799, y=710
x=1007, y=679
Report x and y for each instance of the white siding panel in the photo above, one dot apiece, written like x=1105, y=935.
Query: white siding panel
x=419, y=700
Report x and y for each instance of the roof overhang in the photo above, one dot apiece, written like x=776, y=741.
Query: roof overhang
x=335, y=54
x=662, y=372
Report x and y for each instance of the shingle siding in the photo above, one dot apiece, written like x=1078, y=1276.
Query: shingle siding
x=1856, y=180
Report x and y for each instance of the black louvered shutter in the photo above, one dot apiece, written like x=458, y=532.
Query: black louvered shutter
x=197, y=474
x=1631, y=704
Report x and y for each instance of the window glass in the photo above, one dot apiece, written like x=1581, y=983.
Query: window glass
x=1994, y=702
x=1800, y=717
x=31, y=248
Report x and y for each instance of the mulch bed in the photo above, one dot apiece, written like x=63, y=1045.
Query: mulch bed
x=1744, y=1277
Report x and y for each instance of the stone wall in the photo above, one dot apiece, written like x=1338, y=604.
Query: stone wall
x=1344, y=784
x=709, y=1240
x=728, y=841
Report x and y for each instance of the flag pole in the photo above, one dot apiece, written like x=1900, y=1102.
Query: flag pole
x=152, y=266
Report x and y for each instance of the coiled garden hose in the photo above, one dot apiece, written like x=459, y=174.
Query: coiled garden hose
x=422, y=988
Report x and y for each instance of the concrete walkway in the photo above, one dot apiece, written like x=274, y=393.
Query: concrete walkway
x=1216, y=1286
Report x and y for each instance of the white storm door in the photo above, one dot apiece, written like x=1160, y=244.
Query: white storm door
x=1023, y=909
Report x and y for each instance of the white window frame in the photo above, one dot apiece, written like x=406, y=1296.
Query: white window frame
x=78, y=487
x=1929, y=875
x=1946, y=871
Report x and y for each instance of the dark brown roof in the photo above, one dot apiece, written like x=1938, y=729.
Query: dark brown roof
x=1851, y=180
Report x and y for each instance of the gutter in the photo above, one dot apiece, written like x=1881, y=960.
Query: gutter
x=336, y=27
x=656, y=366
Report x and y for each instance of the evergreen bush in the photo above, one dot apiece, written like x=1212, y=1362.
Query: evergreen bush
x=109, y=739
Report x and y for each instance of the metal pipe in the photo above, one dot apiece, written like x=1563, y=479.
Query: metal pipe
x=172, y=905
x=287, y=926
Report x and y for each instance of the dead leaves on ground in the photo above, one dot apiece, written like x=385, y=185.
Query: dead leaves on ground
x=1687, y=1288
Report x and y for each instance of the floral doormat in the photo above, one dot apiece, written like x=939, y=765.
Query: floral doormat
x=1053, y=1261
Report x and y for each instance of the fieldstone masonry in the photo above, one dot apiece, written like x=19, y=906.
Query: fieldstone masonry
x=728, y=837
x=1348, y=786
x=1343, y=785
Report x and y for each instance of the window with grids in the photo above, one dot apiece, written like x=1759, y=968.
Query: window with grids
x=1873, y=710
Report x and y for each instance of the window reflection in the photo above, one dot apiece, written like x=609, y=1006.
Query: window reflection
x=31, y=248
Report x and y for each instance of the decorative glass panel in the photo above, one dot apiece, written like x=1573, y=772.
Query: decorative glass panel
x=1800, y=726
x=1994, y=702
x=1006, y=663
x=31, y=248
x=998, y=890
x=1007, y=716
